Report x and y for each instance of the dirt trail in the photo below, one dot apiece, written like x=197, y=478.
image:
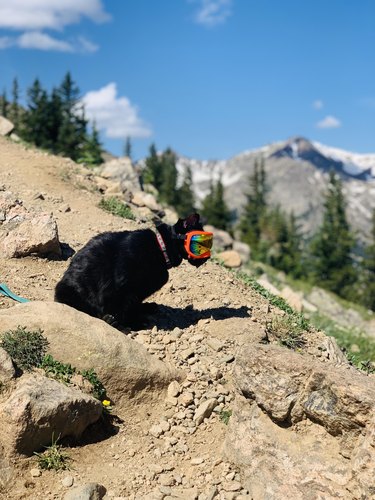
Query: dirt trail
x=205, y=315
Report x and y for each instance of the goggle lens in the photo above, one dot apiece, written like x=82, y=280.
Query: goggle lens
x=200, y=244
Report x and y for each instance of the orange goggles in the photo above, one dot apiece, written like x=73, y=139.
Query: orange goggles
x=198, y=244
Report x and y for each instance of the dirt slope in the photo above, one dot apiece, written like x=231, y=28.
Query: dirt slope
x=205, y=315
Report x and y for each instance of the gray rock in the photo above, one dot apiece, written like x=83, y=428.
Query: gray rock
x=204, y=410
x=6, y=126
x=230, y=258
x=243, y=249
x=67, y=481
x=89, y=491
x=7, y=370
x=23, y=233
x=40, y=408
x=124, y=366
x=294, y=402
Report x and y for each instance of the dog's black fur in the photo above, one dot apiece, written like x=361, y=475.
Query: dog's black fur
x=115, y=271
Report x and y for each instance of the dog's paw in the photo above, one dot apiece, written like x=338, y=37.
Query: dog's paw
x=110, y=319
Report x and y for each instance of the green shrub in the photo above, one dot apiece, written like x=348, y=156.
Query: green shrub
x=57, y=370
x=26, y=348
x=99, y=391
x=116, y=207
x=225, y=416
x=53, y=458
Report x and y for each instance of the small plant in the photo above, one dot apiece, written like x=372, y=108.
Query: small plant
x=225, y=416
x=54, y=458
x=107, y=407
x=99, y=391
x=26, y=348
x=57, y=370
x=116, y=207
x=64, y=372
x=287, y=330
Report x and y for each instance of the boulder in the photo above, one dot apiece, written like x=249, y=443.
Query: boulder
x=6, y=126
x=243, y=249
x=36, y=234
x=301, y=428
x=89, y=491
x=265, y=283
x=230, y=258
x=23, y=232
x=294, y=299
x=126, y=369
x=39, y=410
x=142, y=199
x=7, y=370
x=121, y=170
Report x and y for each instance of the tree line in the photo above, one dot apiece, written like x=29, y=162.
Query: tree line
x=54, y=121
x=327, y=259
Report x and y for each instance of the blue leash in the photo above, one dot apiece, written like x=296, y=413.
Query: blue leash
x=4, y=290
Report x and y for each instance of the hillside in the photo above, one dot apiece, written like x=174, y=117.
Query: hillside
x=224, y=412
x=297, y=175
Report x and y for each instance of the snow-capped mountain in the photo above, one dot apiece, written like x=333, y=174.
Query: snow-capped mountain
x=297, y=175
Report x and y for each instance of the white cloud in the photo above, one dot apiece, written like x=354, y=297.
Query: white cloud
x=318, y=104
x=86, y=46
x=116, y=115
x=213, y=12
x=48, y=14
x=329, y=122
x=33, y=17
x=42, y=41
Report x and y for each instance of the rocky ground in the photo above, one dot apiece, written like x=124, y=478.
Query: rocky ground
x=174, y=446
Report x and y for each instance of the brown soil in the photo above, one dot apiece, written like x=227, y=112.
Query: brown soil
x=195, y=306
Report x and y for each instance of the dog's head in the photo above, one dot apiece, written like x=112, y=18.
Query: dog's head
x=183, y=227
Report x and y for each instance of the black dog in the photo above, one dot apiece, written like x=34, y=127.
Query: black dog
x=115, y=271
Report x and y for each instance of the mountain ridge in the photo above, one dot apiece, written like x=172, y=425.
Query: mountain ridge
x=297, y=173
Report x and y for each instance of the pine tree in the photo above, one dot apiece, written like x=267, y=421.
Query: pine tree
x=72, y=132
x=186, y=202
x=54, y=120
x=128, y=148
x=292, y=262
x=92, y=150
x=14, y=107
x=368, y=271
x=167, y=190
x=255, y=208
x=4, y=104
x=332, y=264
x=153, y=168
x=214, y=207
x=37, y=116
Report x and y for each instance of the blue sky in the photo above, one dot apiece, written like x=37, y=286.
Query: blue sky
x=210, y=78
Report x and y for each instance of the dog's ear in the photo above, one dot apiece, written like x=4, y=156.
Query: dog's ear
x=191, y=221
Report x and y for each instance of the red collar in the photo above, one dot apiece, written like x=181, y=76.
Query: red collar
x=163, y=248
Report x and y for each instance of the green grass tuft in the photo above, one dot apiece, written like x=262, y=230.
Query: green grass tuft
x=225, y=416
x=116, y=207
x=287, y=330
x=26, y=348
x=99, y=391
x=54, y=458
